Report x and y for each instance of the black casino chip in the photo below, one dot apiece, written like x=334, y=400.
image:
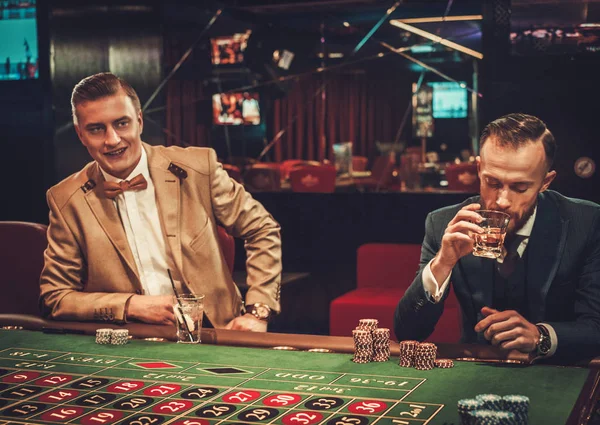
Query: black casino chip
x=215, y=410
x=144, y=419
x=324, y=403
x=258, y=414
x=133, y=403
x=23, y=410
x=199, y=393
x=95, y=399
x=89, y=383
x=24, y=391
x=348, y=419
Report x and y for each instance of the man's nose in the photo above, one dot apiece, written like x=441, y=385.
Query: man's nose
x=112, y=137
x=503, y=200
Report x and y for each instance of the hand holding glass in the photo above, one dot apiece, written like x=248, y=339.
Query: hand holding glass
x=189, y=311
x=489, y=243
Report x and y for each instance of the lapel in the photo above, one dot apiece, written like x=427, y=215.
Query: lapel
x=545, y=247
x=479, y=278
x=108, y=217
x=167, y=189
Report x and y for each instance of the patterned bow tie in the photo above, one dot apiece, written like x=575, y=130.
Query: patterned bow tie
x=112, y=189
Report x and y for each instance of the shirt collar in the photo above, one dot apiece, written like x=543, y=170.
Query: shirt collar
x=525, y=231
x=141, y=168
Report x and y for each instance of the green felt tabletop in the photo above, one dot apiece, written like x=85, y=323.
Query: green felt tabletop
x=410, y=396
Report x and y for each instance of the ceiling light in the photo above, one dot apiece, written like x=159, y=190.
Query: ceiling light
x=436, y=39
x=441, y=19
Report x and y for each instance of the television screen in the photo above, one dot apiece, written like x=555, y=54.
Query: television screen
x=229, y=50
x=18, y=40
x=236, y=109
x=450, y=99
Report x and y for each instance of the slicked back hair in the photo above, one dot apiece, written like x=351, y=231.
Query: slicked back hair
x=98, y=86
x=516, y=130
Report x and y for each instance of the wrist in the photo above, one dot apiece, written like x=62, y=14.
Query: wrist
x=543, y=343
x=260, y=310
x=441, y=266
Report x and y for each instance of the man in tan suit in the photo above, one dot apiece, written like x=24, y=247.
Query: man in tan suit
x=137, y=211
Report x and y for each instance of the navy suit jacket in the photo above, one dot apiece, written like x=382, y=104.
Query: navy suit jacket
x=563, y=277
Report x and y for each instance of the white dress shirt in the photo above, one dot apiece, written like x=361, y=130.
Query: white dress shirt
x=139, y=215
x=435, y=292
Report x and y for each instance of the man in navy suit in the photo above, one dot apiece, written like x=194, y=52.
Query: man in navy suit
x=542, y=296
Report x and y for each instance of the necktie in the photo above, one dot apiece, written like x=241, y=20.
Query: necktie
x=112, y=189
x=507, y=267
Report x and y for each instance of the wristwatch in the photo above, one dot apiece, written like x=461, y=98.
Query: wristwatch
x=544, y=343
x=260, y=311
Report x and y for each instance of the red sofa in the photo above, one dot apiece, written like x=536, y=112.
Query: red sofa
x=383, y=273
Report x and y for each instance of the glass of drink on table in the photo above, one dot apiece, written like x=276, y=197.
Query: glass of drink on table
x=489, y=243
x=189, y=310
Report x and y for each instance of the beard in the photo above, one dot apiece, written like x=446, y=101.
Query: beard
x=520, y=222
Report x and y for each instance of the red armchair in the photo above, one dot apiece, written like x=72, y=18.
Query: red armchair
x=383, y=273
x=22, y=260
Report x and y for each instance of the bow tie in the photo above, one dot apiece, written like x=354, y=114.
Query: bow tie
x=112, y=189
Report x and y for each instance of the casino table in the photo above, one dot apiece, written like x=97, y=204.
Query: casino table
x=50, y=375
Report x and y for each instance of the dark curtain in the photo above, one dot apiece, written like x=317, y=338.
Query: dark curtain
x=188, y=116
x=339, y=108
x=318, y=111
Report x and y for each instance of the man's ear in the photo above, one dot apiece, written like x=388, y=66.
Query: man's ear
x=140, y=119
x=478, y=162
x=550, y=175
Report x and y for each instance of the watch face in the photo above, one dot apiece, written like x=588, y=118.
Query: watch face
x=261, y=311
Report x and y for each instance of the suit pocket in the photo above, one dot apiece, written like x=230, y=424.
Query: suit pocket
x=202, y=236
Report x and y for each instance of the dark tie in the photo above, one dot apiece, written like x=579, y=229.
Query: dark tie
x=112, y=189
x=507, y=267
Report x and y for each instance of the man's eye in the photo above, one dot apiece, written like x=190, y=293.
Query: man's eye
x=520, y=189
x=494, y=185
x=95, y=130
x=122, y=124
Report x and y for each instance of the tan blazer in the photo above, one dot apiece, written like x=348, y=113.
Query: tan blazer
x=90, y=273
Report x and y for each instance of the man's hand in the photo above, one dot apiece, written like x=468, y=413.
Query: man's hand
x=457, y=241
x=154, y=309
x=509, y=330
x=247, y=322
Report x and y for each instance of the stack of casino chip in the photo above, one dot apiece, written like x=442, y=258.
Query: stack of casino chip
x=444, y=363
x=363, y=346
x=425, y=356
x=491, y=417
x=119, y=337
x=381, y=344
x=519, y=406
x=407, y=353
x=368, y=324
x=103, y=336
x=465, y=406
x=487, y=409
